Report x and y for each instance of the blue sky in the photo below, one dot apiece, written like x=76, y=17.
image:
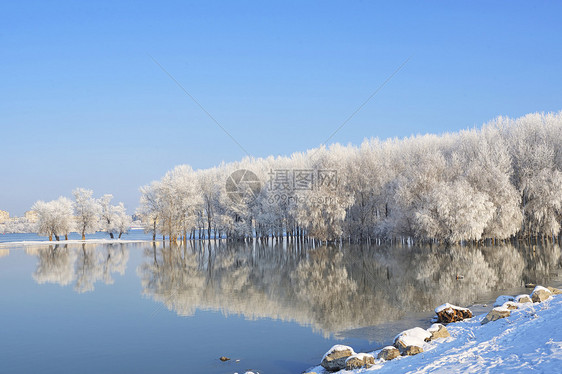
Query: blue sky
x=82, y=103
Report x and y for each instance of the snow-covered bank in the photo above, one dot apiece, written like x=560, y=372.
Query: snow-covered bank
x=529, y=340
x=64, y=242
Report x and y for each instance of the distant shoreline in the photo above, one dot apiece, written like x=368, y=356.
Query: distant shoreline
x=62, y=242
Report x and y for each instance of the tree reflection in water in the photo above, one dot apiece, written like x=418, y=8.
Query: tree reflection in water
x=333, y=288
x=84, y=265
x=330, y=288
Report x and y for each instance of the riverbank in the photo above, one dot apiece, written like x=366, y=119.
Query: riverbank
x=67, y=242
x=529, y=340
x=100, y=237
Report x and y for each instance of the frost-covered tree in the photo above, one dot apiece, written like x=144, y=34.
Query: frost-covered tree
x=495, y=182
x=325, y=205
x=114, y=218
x=121, y=220
x=534, y=142
x=453, y=212
x=87, y=211
x=54, y=218
x=17, y=225
x=150, y=208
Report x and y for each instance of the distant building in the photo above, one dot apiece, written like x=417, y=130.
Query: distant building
x=30, y=216
x=4, y=216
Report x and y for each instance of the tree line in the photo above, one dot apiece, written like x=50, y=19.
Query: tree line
x=500, y=181
x=85, y=215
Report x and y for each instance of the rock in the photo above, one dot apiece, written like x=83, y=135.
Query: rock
x=412, y=337
x=359, y=360
x=530, y=285
x=334, y=359
x=448, y=313
x=503, y=299
x=510, y=305
x=412, y=350
x=540, y=294
x=388, y=353
x=495, y=314
x=555, y=291
x=522, y=299
x=437, y=331
x=223, y=358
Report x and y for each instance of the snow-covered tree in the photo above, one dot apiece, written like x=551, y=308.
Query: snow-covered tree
x=121, y=221
x=495, y=182
x=114, y=218
x=150, y=208
x=54, y=218
x=87, y=211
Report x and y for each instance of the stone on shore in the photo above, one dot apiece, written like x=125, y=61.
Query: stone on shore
x=359, y=360
x=437, y=331
x=448, y=313
x=510, y=305
x=388, y=353
x=522, y=299
x=540, y=294
x=555, y=291
x=495, y=314
x=412, y=350
x=334, y=359
x=412, y=337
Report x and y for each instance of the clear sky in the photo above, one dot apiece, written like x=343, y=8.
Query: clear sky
x=82, y=104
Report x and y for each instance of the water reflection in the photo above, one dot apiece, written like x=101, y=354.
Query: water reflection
x=83, y=265
x=334, y=288
x=330, y=289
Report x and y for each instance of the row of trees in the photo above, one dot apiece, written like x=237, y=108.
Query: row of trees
x=84, y=215
x=499, y=181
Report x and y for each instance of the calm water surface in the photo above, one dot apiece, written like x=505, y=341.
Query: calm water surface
x=150, y=307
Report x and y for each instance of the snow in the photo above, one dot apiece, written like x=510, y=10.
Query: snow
x=336, y=348
x=360, y=356
x=435, y=327
x=501, y=309
x=540, y=288
x=62, y=242
x=530, y=340
x=440, y=308
x=510, y=305
x=415, y=336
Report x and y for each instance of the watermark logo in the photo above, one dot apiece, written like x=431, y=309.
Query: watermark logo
x=284, y=186
x=302, y=179
x=288, y=186
x=243, y=186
